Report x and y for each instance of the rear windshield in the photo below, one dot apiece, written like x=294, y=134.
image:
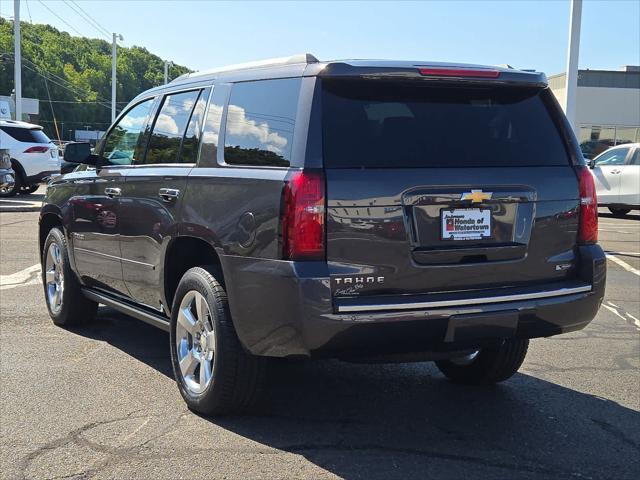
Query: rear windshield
x=374, y=124
x=26, y=135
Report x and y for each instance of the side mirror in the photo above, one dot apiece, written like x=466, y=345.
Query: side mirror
x=592, y=164
x=78, y=152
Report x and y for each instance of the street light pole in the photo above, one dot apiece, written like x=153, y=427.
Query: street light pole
x=571, y=81
x=167, y=65
x=114, y=46
x=17, y=72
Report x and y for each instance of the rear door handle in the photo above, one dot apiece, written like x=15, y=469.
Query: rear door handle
x=168, y=194
x=615, y=171
x=113, y=192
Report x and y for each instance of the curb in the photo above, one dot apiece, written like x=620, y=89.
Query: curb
x=8, y=209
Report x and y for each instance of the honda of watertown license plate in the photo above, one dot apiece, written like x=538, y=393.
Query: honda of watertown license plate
x=466, y=224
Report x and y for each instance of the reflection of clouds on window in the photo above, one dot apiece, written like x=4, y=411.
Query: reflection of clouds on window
x=260, y=122
x=265, y=134
x=165, y=124
x=212, y=124
x=132, y=123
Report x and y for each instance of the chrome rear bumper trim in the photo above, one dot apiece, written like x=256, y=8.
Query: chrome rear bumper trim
x=464, y=302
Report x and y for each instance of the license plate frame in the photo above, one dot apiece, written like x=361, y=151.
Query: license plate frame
x=483, y=229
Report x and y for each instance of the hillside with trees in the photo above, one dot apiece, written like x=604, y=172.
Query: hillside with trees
x=75, y=73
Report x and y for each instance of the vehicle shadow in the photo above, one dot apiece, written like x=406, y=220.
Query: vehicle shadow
x=632, y=215
x=405, y=421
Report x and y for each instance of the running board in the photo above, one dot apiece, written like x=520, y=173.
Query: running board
x=151, y=318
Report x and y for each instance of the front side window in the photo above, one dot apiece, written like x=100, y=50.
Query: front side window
x=260, y=121
x=613, y=157
x=122, y=145
x=169, y=127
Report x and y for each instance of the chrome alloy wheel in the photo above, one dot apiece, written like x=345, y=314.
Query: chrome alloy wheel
x=465, y=360
x=54, y=277
x=195, y=342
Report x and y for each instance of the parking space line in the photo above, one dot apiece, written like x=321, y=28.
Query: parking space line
x=28, y=276
x=624, y=265
x=622, y=313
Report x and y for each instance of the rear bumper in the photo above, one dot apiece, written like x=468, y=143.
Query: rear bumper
x=41, y=177
x=285, y=308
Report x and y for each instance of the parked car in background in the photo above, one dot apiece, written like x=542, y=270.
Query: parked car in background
x=34, y=157
x=7, y=177
x=616, y=173
x=370, y=210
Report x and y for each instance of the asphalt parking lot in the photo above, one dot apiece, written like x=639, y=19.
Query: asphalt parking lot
x=100, y=401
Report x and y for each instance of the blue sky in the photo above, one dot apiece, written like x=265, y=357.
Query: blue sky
x=203, y=34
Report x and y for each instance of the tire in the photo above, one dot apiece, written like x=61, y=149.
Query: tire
x=487, y=366
x=11, y=192
x=217, y=377
x=66, y=304
x=26, y=190
x=619, y=212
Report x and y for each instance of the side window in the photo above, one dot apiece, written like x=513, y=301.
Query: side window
x=121, y=146
x=209, y=147
x=189, y=153
x=169, y=127
x=635, y=160
x=260, y=120
x=613, y=157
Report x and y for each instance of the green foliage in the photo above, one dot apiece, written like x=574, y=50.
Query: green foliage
x=78, y=69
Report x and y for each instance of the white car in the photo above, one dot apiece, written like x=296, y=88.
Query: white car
x=617, y=177
x=33, y=156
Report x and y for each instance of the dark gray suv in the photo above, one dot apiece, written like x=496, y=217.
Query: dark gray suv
x=370, y=210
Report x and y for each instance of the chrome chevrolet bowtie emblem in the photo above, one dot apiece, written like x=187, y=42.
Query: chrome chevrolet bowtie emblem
x=476, y=196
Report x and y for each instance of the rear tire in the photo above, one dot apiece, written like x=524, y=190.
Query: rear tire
x=215, y=375
x=62, y=292
x=487, y=366
x=619, y=212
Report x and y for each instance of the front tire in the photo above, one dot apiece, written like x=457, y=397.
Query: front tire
x=619, y=212
x=486, y=366
x=66, y=304
x=13, y=191
x=214, y=374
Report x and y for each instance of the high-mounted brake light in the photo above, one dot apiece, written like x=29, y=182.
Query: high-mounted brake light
x=36, y=150
x=303, y=219
x=459, y=72
x=588, y=222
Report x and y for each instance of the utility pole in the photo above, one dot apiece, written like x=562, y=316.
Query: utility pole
x=571, y=82
x=17, y=72
x=114, y=46
x=167, y=64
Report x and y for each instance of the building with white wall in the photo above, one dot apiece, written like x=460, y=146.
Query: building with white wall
x=607, y=106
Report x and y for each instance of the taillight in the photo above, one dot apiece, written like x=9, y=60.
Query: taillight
x=36, y=150
x=588, y=226
x=460, y=72
x=303, y=218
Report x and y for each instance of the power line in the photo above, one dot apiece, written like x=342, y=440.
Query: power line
x=59, y=17
x=29, y=11
x=94, y=20
x=87, y=18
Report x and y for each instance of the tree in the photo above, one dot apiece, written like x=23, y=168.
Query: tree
x=77, y=73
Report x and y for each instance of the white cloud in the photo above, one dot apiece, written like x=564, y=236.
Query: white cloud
x=239, y=124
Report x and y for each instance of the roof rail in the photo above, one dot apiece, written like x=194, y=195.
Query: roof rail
x=270, y=62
